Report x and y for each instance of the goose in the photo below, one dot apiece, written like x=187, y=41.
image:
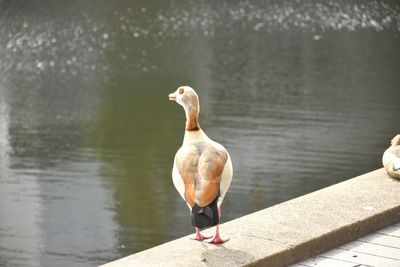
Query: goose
x=202, y=170
x=391, y=158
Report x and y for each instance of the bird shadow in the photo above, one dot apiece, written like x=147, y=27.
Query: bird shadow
x=222, y=256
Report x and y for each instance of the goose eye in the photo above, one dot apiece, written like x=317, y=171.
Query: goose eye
x=181, y=91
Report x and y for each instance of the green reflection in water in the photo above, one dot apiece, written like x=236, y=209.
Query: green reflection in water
x=137, y=136
x=129, y=154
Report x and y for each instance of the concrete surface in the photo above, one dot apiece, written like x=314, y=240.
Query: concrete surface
x=380, y=249
x=288, y=232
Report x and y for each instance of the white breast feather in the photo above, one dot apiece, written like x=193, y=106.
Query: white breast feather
x=226, y=179
x=396, y=163
x=389, y=156
x=178, y=182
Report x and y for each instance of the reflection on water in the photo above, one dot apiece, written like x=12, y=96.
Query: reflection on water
x=303, y=94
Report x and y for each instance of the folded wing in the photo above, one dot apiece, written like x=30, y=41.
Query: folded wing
x=200, y=167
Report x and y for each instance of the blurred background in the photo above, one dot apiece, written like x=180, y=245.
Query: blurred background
x=303, y=94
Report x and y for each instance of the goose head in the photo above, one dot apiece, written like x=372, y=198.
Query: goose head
x=186, y=97
x=189, y=100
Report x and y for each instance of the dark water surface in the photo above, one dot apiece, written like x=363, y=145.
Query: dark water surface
x=303, y=94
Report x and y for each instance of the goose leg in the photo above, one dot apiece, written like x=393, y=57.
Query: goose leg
x=217, y=239
x=199, y=236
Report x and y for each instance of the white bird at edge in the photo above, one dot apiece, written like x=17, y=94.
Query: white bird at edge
x=202, y=171
x=391, y=158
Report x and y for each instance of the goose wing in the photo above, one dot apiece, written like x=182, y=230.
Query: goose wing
x=200, y=167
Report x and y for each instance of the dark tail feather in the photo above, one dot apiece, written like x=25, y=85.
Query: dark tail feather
x=207, y=216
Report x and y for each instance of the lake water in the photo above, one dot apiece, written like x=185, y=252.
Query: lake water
x=303, y=94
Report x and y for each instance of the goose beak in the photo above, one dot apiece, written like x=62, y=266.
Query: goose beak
x=172, y=97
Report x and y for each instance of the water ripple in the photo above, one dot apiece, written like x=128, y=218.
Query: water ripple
x=81, y=44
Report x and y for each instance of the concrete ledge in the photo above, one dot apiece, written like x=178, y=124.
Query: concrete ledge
x=291, y=231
